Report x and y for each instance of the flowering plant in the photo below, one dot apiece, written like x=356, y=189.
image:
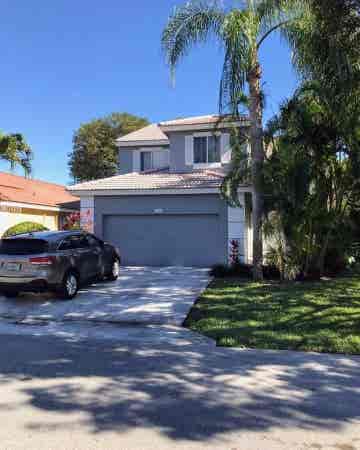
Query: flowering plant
x=234, y=252
x=72, y=221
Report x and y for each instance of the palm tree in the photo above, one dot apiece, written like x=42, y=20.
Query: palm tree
x=241, y=31
x=312, y=177
x=15, y=150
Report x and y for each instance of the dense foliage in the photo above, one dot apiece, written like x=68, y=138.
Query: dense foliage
x=24, y=227
x=312, y=183
x=15, y=150
x=313, y=173
x=94, y=153
x=326, y=43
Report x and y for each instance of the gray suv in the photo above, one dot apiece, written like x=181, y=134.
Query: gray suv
x=59, y=261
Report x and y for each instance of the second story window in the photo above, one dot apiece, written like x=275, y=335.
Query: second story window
x=207, y=149
x=146, y=161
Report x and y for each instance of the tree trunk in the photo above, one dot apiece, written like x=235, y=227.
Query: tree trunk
x=257, y=152
x=321, y=258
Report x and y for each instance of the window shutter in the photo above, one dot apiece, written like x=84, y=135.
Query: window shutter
x=189, y=150
x=225, y=148
x=136, y=161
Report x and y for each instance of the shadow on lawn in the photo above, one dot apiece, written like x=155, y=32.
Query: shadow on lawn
x=323, y=316
x=195, y=392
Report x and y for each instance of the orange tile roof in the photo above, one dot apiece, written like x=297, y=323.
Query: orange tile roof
x=14, y=188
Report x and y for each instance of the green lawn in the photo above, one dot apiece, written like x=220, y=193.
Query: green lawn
x=321, y=317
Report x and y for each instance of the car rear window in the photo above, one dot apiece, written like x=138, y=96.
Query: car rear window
x=23, y=246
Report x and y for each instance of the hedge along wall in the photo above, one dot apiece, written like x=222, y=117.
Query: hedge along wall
x=49, y=219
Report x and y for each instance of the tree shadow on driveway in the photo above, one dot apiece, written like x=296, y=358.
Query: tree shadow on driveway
x=141, y=295
x=194, y=393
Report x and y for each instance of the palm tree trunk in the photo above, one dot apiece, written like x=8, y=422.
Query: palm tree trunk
x=257, y=151
x=323, y=250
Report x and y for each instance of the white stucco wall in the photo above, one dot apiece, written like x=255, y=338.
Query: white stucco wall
x=236, y=229
x=249, y=239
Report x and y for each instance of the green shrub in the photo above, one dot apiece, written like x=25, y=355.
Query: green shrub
x=242, y=270
x=235, y=270
x=24, y=227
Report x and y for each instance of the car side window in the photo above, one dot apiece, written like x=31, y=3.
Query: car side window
x=66, y=244
x=93, y=242
x=82, y=242
x=74, y=242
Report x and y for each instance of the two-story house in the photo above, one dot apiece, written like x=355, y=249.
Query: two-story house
x=164, y=207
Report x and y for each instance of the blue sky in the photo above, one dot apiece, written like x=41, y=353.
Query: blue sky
x=64, y=63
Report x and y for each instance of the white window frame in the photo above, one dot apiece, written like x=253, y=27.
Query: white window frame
x=151, y=150
x=206, y=165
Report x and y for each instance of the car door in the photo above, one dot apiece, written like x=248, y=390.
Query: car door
x=84, y=258
x=96, y=254
x=89, y=257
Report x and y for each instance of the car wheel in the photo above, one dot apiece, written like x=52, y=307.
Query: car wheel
x=10, y=294
x=69, y=286
x=115, y=270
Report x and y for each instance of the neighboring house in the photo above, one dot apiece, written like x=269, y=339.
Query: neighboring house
x=23, y=199
x=165, y=206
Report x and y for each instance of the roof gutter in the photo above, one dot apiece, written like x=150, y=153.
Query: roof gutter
x=140, y=192
x=204, y=126
x=143, y=143
x=35, y=206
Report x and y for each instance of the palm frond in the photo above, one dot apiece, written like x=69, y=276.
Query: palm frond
x=238, y=32
x=190, y=24
x=326, y=43
x=232, y=82
x=240, y=167
x=271, y=8
x=277, y=15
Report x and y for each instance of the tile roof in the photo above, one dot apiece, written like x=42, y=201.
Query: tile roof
x=14, y=188
x=155, y=132
x=198, y=120
x=156, y=180
x=151, y=132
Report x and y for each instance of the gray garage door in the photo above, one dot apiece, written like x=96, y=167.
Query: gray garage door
x=186, y=240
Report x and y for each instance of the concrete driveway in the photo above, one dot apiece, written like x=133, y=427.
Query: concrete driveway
x=142, y=295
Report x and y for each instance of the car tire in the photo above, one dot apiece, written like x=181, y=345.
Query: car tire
x=115, y=270
x=10, y=294
x=69, y=286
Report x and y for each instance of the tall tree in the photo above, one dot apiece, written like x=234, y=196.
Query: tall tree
x=94, y=153
x=15, y=150
x=241, y=32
